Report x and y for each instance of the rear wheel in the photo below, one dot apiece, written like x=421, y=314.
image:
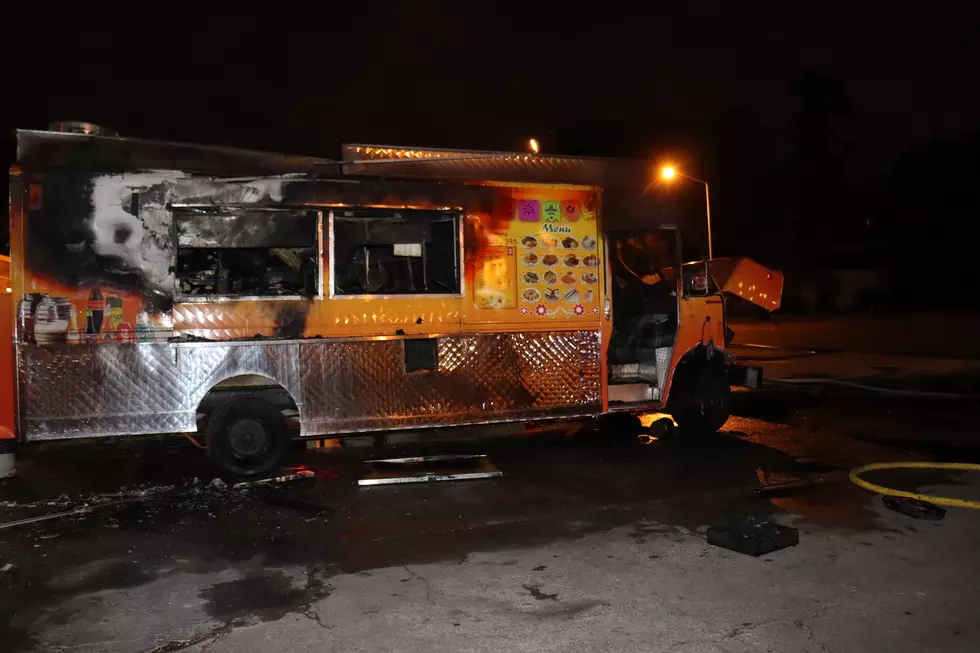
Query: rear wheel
x=247, y=437
x=701, y=399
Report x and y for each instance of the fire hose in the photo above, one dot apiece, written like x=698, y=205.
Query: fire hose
x=798, y=352
x=855, y=474
x=855, y=477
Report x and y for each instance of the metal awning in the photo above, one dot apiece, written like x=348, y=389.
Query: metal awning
x=430, y=163
x=626, y=204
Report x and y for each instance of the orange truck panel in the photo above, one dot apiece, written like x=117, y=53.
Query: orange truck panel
x=8, y=405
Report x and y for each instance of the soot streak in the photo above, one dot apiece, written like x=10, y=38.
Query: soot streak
x=292, y=320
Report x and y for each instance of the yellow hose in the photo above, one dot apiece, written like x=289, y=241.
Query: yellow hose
x=855, y=477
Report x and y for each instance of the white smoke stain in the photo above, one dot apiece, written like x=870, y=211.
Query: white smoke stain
x=111, y=198
x=146, y=246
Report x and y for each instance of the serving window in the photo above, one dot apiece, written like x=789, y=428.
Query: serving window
x=250, y=254
x=377, y=252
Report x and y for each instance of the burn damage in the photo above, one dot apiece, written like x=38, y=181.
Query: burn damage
x=292, y=320
x=235, y=227
x=161, y=258
x=102, y=230
x=170, y=237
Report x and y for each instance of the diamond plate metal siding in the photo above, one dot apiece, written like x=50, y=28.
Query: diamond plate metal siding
x=339, y=386
x=214, y=321
x=361, y=385
x=663, y=363
x=114, y=389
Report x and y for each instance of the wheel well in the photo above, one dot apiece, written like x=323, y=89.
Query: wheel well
x=703, y=355
x=257, y=385
x=700, y=355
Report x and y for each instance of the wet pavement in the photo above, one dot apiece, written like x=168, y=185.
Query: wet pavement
x=922, y=335
x=591, y=541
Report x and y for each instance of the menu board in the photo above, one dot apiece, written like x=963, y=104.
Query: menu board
x=495, y=281
x=555, y=262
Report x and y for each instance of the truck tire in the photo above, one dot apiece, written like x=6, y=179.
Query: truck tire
x=701, y=399
x=247, y=437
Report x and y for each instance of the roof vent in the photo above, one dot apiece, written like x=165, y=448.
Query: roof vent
x=82, y=128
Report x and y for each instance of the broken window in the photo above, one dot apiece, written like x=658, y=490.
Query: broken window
x=251, y=253
x=405, y=252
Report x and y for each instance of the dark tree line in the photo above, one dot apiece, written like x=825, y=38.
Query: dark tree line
x=792, y=197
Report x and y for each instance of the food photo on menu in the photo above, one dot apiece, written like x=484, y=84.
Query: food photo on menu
x=531, y=294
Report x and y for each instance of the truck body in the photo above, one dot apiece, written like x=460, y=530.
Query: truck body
x=394, y=288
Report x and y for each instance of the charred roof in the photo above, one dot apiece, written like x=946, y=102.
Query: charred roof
x=626, y=202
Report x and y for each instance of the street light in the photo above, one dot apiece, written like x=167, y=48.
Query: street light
x=533, y=146
x=669, y=172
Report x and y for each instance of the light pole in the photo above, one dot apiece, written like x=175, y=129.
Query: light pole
x=668, y=173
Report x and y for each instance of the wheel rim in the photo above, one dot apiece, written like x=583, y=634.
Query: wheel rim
x=248, y=438
x=709, y=403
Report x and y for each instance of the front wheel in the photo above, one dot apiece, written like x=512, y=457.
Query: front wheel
x=701, y=399
x=247, y=437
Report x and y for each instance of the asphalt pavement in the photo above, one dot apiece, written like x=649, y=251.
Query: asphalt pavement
x=590, y=541
x=921, y=335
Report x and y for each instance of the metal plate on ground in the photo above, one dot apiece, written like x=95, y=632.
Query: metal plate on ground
x=427, y=469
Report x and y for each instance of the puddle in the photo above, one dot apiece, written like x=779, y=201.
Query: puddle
x=265, y=596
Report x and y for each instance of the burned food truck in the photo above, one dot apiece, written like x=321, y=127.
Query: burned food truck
x=171, y=288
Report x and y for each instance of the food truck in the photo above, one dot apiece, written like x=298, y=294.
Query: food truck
x=171, y=288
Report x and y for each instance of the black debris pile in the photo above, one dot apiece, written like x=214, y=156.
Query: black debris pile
x=752, y=536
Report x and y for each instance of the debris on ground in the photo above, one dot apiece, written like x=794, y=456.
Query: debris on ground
x=915, y=508
x=6, y=567
x=193, y=494
x=752, y=536
x=296, y=475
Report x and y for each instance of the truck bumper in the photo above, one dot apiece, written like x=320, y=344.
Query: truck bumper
x=745, y=376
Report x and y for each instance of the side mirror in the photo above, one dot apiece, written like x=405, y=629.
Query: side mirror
x=696, y=279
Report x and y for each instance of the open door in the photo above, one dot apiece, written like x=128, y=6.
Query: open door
x=645, y=314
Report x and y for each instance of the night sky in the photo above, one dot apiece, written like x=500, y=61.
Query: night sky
x=846, y=137
x=447, y=74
